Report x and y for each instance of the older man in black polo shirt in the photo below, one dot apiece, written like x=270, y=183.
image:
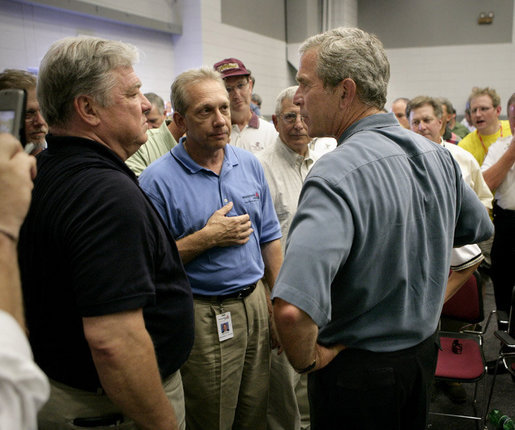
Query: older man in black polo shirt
x=109, y=307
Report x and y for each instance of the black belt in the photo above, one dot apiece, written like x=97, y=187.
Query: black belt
x=240, y=294
x=504, y=213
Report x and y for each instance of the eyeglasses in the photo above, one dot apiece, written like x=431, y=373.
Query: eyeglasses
x=238, y=87
x=481, y=109
x=291, y=117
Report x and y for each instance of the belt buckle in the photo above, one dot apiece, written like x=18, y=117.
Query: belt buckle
x=242, y=292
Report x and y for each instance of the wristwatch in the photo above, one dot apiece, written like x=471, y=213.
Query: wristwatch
x=307, y=369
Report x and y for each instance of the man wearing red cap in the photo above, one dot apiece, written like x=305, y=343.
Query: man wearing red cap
x=248, y=130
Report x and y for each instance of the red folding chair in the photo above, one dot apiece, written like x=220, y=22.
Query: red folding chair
x=461, y=357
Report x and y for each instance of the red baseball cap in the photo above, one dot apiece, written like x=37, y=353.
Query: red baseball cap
x=231, y=67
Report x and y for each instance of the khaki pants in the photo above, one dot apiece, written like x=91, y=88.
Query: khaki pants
x=67, y=403
x=226, y=383
x=288, y=406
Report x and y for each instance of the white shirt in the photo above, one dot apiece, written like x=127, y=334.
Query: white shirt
x=322, y=145
x=24, y=387
x=465, y=256
x=505, y=192
x=285, y=171
x=255, y=136
x=471, y=172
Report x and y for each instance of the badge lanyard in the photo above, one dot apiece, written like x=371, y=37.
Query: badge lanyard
x=481, y=139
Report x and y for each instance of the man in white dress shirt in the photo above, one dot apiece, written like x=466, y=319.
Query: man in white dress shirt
x=499, y=173
x=286, y=163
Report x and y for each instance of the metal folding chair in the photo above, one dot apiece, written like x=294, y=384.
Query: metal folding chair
x=506, y=356
x=461, y=357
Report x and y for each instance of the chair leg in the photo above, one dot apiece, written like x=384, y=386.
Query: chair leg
x=491, y=388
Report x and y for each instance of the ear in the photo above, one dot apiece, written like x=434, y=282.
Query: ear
x=498, y=110
x=180, y=121
x=87, y=109
x=251, y=85
x=274, y=119
x=347, y=92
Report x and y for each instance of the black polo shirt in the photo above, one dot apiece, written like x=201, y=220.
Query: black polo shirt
x=92, y=244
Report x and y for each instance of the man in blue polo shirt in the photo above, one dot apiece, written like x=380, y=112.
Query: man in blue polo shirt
x=215, y=200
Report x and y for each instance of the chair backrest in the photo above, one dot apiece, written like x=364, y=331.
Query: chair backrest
x=467, y=304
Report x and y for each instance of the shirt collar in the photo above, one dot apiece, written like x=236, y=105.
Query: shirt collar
x=181, y=155
x=88, y=149
x=291, y=156
x=254, y=120
x=372, y=122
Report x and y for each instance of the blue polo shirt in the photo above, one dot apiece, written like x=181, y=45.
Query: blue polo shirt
x=187, y=194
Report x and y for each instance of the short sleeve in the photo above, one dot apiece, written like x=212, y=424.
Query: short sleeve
x=322, y=227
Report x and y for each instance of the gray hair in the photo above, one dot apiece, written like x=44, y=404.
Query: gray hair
x=178, y=95
x=76, y=66
x=156, y=101
x=287, y=93
x=420, y=101
x=17, y=79
x=352, y=53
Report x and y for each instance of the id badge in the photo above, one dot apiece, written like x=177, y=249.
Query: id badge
x=224, y=326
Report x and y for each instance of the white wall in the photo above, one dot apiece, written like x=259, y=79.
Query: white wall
x=264, y=56
x=26, y=33
x=343, y=13
x=452, y=71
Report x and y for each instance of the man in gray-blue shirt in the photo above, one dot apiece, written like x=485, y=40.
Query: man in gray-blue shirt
x=359, y=295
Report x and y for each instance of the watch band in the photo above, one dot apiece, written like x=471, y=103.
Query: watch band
x=308, y=368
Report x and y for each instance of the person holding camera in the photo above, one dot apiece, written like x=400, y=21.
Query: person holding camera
x=23, y=386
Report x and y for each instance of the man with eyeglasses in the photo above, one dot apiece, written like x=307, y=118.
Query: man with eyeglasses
x=36, y=127
x=249, y=131
x=499, y=173
x=485, y=108
x=286, y=164
x=426, y=118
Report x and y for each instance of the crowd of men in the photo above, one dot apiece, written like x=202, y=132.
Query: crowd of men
x=218, y=271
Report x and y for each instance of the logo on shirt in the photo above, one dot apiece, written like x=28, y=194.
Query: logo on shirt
x=251, y=198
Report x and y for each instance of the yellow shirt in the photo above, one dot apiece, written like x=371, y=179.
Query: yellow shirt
x=472, y=143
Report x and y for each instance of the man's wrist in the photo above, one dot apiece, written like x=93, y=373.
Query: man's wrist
x=307, y=368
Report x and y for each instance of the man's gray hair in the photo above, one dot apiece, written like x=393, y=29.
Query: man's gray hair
x=17, y=79
x=156, y=101
x=419, y=101
x=178, y=95
x=287, y=93
x=352, y=53
x=76, y=66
